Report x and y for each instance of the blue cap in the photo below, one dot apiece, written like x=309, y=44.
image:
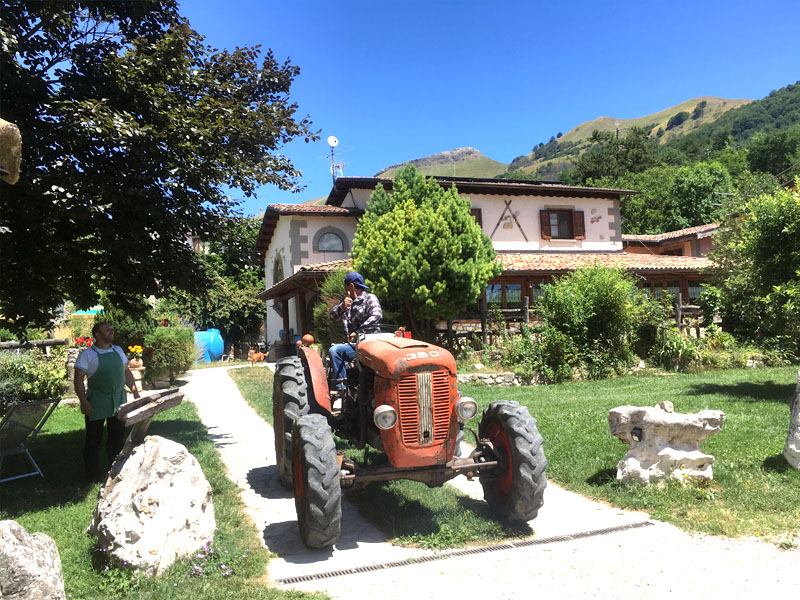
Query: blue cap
x=357, y=279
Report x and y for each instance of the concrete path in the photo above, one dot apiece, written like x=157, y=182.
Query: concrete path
x=579, y=548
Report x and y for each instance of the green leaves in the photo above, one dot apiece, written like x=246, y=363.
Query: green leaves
x=422, y=251
x=132, y=128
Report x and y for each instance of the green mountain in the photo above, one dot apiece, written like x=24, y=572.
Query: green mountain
x=692, y=127
x=461, y=162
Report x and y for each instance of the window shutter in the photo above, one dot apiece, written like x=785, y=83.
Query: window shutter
x=476, y=213
x=544, y=215
x=578, y=229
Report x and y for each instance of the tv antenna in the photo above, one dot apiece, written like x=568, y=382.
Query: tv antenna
x=333, y=142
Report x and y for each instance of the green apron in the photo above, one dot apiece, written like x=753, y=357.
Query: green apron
x=106, y=389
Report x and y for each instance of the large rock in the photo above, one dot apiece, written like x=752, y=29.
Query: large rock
x=30, y=568
x=792, y=448
x=155, y=509
x=663, y=444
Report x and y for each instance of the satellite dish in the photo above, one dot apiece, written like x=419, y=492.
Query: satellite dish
x=332, y=141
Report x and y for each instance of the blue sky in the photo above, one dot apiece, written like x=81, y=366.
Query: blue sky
x=396, y=80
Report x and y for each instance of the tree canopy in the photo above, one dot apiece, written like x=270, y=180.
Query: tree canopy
x=422, y=251
x=757, y=270
x=132, y=131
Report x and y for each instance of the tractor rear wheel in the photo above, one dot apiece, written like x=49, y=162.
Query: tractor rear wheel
x=289, y=403
x=515, y=491
x=317, y=491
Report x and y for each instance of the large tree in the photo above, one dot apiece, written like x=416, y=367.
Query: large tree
x=696, y=195
x=132, y=129
x=757, y=270
x=610, y=155
x=424, y=254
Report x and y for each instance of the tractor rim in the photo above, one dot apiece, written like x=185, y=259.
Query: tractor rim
x=502, y=483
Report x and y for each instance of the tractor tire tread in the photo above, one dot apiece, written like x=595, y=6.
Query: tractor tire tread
x=526, y=495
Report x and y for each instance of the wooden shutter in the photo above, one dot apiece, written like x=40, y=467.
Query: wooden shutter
x=578, y=229
x=544, y=215
x=476, y=213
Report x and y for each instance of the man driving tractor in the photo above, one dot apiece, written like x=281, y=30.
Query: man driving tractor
x=360, y=312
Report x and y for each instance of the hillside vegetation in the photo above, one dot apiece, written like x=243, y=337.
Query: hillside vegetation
x=460, y=162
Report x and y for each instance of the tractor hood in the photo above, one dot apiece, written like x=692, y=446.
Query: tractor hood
x=391, y=357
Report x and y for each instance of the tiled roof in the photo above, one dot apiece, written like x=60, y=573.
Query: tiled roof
x=327, y=267
x=540, y=263
x=303, y=209
x=562, y=262
x=670, y=235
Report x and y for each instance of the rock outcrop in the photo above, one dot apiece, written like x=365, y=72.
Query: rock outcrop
x=791, y=451
x=155, y=509
x=662, y=443
x=30, y=568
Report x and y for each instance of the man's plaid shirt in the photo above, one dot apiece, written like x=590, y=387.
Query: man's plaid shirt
x=363, y=316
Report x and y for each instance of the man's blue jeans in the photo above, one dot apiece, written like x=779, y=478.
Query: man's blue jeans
x=341, y=354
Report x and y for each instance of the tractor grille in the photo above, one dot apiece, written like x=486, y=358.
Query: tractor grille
x=424, y=402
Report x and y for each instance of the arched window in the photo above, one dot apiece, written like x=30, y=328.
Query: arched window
x=330, y=239
x=277, y=269
x=330, y=242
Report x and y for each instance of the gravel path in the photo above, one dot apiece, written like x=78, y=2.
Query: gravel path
x=579, y=549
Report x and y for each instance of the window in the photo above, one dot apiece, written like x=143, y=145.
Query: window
x=330, y=239
x=330, y=242
x=477, y=215
x=277, y=269
x=562, y=224
x=695, y=289
x=504, y=295
x=494, y=295
x=514, y=295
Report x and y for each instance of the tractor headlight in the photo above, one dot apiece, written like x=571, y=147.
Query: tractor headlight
x=385, y=417
x=466, y=408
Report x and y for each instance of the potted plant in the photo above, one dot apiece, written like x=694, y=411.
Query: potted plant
x=135, y=361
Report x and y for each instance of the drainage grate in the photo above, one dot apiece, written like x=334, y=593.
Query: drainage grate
x=466, y=552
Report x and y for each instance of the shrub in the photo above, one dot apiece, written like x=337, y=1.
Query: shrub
x=677, y=352
x=169, y=351
x=31, y=376
x=599, y=310
x=131, y=324
x=546, y=354
x=327, y=332
x=676, y=120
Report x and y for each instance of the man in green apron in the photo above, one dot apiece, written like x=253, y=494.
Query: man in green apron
x=107, y=369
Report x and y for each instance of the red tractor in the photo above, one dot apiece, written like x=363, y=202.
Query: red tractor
x=401, y=398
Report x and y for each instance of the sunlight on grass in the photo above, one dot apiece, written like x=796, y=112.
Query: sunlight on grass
x=754, y=491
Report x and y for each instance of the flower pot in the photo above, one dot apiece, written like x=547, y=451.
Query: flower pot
x=135, y=363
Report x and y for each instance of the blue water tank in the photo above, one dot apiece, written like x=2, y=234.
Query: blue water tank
x=211, y=343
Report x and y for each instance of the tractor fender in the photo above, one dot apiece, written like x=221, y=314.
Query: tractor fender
x=317, y=379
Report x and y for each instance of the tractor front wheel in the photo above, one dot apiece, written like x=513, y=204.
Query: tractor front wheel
x=317, y=491
x=289, y=403
x=515, y=491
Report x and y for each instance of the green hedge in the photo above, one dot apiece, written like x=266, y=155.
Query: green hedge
x=168, y=351
x=31, y=376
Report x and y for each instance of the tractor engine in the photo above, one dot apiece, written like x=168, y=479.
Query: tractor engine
x=415, y=399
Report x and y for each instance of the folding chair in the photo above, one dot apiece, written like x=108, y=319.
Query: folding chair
x=20, y=425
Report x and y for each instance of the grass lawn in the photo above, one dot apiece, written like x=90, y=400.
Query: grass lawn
x=61, y=506
x=754, y=491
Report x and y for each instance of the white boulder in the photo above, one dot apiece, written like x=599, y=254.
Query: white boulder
x=30, y=568
x=155, y=508
x=791, y=451
x=662, y=443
